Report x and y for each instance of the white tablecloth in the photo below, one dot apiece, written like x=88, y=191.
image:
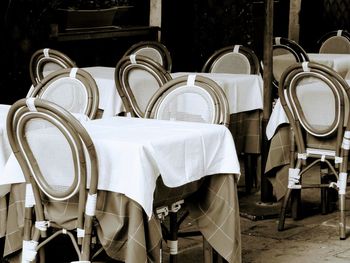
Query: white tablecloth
x=132, y=152
x=110, y=101
x=339, y=62
x=244, y=92
x=5, y=149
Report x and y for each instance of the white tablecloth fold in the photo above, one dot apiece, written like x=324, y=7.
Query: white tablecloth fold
x=244, y=92
x=133, y=152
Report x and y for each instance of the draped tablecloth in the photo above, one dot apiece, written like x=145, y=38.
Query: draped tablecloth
x=109, y=100
x=5, y=152
x=339, y=62
x=244, y=93
x=139, y=150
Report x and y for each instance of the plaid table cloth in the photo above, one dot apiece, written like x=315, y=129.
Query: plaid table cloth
x=124, y=230
x=246, y=130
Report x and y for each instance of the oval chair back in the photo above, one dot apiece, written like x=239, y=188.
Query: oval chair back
x=72, y=88
x=236, y=59
x=335, y=42
x=137, y=78
x=45, y=61
x=153, y=50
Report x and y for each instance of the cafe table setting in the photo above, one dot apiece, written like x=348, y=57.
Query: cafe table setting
x=137, y=159
x=244, y=93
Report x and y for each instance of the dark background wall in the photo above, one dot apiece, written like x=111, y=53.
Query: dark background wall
x=194, y=29
x=191, y=29
x=320, y=16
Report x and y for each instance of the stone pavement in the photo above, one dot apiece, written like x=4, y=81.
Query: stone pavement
x=311, y=239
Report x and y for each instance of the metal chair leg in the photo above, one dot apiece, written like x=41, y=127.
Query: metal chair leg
x=284, y=210
x=173, y=237
x=296, y=204
x=342, y=218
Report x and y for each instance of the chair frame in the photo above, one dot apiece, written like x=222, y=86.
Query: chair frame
x=129, y=63
x=299, y=124
x=222, y=117
x=328, y=35
x=291, y=46
x=247, y=52
x=45, y=56
x=79, y=74
x=21, y=112
x=158, y=46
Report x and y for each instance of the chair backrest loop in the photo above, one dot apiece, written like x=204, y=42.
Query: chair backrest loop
x=72, y=88
x=153, y=50
x=44, y=61
x=235, y=59
x=137, y=78
x=190, y=98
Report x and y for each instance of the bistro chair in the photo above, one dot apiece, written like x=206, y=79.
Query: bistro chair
x=55, y=154
x=137, y=78
x=46, y=60
x=235, y=59
x=187, y=98
x=154, y=50
x=72, y=88
x=285, y=52
x=336, y=42
x=319, y=134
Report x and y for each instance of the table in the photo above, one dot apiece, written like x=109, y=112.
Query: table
x=244, y=92
x=5, y=151
x=244, y=107
x=145, y=148
x=237, y=87
x=109, y=102
x=339, y=62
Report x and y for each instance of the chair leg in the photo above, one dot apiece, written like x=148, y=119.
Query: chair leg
x=284, y=210
x=296, y=204
x=2, y=245
x=325, y=197
x=250, y=168
x=173, y=237
x=324, y=201
x=342, y=218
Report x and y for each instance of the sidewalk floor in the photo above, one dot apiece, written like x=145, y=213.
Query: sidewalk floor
x=314, y=238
